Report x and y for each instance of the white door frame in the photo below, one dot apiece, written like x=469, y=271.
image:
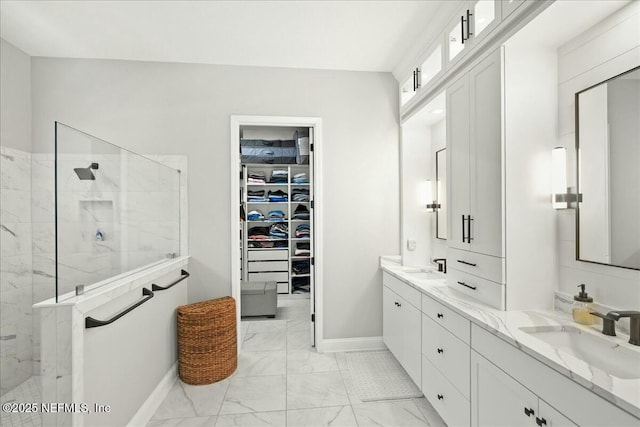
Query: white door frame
x=316, y=124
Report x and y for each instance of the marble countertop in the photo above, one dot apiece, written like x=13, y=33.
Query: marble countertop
x=624, y=393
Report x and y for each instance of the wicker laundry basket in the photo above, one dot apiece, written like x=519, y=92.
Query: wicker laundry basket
x=207, y=341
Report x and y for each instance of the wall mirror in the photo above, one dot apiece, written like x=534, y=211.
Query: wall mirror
x=608, y=147
x=441, y=193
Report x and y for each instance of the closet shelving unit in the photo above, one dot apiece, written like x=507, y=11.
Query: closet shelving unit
x=276, y=263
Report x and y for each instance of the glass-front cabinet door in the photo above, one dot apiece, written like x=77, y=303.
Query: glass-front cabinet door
x=485, y=16
x=472, y=23
x=408, y=88
x=456, y=36
x=431, y=66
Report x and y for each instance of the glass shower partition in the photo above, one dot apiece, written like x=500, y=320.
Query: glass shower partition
x=115, y=211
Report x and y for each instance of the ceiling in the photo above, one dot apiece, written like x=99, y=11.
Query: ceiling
x=339, y=35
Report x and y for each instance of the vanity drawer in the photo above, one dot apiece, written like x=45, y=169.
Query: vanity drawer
x=450, y=355
x=489, y=267
x=452, y=406
x=449, y=319
x=410, y=294
x=264, y=255
x=269, y=277
x=490, y=293
x=268, y=266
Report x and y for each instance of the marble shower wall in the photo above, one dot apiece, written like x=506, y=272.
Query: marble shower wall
x=16, y=295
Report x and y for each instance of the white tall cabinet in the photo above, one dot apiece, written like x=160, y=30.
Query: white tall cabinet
x=475, y=189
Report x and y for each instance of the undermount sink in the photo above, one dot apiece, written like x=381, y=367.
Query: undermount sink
x=596, y=351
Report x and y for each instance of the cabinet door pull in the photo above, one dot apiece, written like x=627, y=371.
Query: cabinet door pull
x=414, y=80
x=469, y=238
x=440, y=397
x=541, y=421
x=469, y=15
x=467, y=263
x=463, y=236
x=440, y=350
x=467, y=286
x=440, y=315
x=529, y=411
x=462, y=28
x=417, y=78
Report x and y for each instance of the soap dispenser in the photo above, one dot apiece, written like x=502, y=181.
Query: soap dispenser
x=582, y=307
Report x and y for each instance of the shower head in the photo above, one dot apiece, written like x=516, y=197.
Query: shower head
x=85, y=173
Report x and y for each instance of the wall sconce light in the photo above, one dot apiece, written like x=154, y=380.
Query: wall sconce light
x=562, y=198
x=428, y=197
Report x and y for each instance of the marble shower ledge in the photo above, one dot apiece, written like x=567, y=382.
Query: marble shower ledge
x=102, y=292
x=506, y=325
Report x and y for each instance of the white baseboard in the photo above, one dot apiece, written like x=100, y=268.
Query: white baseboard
x=150, y=406
x=352, y=344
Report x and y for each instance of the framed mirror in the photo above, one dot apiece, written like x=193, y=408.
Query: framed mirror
x=441, y=193
x=608, y=166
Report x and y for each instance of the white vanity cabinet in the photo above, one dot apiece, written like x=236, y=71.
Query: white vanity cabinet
x=401, y=324
x=446, y=361
x=499, y=400
x=512, y=381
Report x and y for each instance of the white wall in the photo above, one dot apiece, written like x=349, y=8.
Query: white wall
x=15, y=97
x=603, y=51
x=185, y=108
x=530, y=135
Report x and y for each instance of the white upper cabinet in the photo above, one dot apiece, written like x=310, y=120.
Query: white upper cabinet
x=431, y=66
x=472, y=23
x=409, y=87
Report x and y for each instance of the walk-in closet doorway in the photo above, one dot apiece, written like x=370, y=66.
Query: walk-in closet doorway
x=259, y=252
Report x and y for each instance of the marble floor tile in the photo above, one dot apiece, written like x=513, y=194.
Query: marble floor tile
x=341, y=358
x=244, y=327
x=184, y=422
x=297, y=313
x=429, y=412
x=316, y=390
x=188, y=401
x=275, y=419
x=389, y=413
x=265, y=341
x=298, y=339
x=333, y=416
x=258, y=363
x=298, y=324
x=309, y=361
x=260, y=326
x=255, y=394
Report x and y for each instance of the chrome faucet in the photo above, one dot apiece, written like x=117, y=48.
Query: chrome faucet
x=442, y=264
x=609, y=327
